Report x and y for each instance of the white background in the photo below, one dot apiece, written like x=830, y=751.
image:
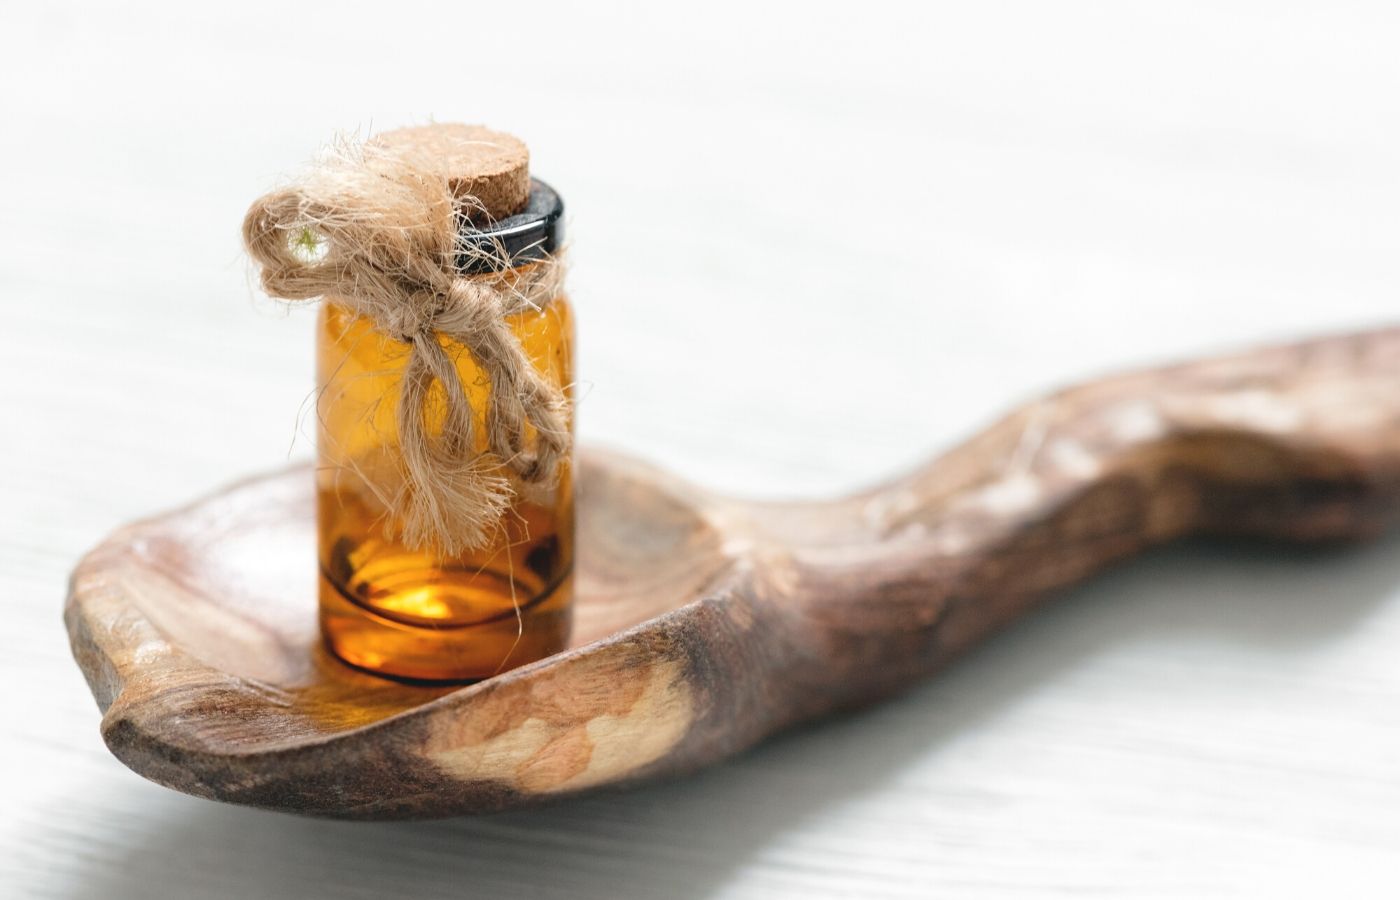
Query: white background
x=811, y=246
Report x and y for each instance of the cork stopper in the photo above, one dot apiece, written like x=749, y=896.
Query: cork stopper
x=491, y=166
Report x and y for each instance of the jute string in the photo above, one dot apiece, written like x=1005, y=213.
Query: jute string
x=380, y=232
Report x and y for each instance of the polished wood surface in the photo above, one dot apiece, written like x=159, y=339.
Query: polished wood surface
x=707, y=624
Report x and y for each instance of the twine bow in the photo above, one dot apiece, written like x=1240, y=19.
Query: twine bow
x=379, y=232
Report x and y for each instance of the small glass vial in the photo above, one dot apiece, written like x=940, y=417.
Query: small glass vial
x=413, y=614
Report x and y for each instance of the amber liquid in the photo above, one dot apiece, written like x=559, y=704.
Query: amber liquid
x=412, y=614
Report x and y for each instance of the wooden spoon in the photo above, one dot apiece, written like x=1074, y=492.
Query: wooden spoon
x=706, y=624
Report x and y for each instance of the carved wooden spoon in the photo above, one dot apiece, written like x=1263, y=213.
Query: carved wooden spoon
x=706, y=624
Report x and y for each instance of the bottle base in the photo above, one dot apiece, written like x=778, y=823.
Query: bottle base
x=415, y=649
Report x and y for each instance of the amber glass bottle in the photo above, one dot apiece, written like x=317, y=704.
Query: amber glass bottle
x=412, y=614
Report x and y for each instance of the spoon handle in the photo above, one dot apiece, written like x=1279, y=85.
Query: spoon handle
x=1298, y=443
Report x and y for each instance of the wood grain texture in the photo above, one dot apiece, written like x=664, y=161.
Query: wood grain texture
x=707, y=625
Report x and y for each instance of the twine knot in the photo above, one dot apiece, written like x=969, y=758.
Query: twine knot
x=413, y=319
x=385, y=229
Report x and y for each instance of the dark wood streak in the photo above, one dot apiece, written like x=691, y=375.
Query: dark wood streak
x=707, y=624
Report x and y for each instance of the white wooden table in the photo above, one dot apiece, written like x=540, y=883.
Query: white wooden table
x=1069, y=188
